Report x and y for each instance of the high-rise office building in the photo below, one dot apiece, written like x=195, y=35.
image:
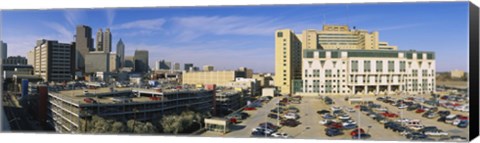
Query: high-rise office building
x=31, y=57
x=141, y=61
x=99, y=40
x=187, y=66
x=54, y=61
x=129, y=61
x=4, y=49
x=114, y=62
x=121, y=53
x=176, y=66
x=83, y=45
x=342, y=37
x=163, y=65
x=107, y=41
x=289, y=49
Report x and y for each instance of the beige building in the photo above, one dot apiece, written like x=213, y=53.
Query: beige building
x=207, y=68
x=114, y=62
x=220, y=78
x=54, y=61
x=457, y=73
x=289, y=49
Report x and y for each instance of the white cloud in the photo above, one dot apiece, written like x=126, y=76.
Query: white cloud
x=238, y=25
x=149, y=24
x=73, y=16
x=110, y=13
x=60, y=29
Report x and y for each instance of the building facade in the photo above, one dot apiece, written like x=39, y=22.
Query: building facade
x=107, y=41
x=114, y=62
x=69, y=109
x=15, y=60
x=121, y=53
x=457, y=74
x=187, y=66
x=99, y=40
x=350, y=72
x=97, y=61
x=163, y=65
x=208, y=68
x=289, y=49
x=83, y=45
x=54, y=61
x=3, y=50
x=220, y=78
x=141, y=61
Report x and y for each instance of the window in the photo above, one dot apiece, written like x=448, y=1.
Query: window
x=366, y=66
x=391, y=66
x=279, y=34
x=354, y=66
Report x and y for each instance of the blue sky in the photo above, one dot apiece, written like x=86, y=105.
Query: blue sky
x=235, y=36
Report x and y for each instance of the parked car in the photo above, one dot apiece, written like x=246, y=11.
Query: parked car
x=345, y=116
x=443, y=113
x=273, y=116
x=356, y=131
x=420, y=110
x=429, y=115
x=268, y=125
x=351, y=110
x=321, y=112
x=449, y=119
x=416, y=135
x=349, y=126
x=381, y=109
x=333, y=132
x=334, y=108
x=463, y=124
x=362, y=136
x=280, y=135
x=326, y=121
x=257, y=134
x=290, y=123
x=436, y=133
x=335, y=125
x=458, y=138
x=389, y=114
x=291, y=116
x=249, y=108
x=327, y=116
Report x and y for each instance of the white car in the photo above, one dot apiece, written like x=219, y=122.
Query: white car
x=291, y=116
x=344, y=117
x=402, y=106
x=266, y=131
x=325, y=121
x=382, y=109
x=416, y=127
x=280, y=135
x=403, y=120
x=456, y=122
x=335, y=108
x=436, y=133
x=351, y=110
x=349, y=122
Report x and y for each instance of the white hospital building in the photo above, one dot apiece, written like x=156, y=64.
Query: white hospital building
x=360, y=72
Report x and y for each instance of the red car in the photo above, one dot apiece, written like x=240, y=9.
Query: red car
x=357, y=106
x=89, y=100
x=390, y=115
x=335, y=125
x=249, y=108
x=461, y=117
x=355, y=131
x=420, y=110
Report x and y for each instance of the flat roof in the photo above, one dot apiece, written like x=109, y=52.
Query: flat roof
x=78, y=96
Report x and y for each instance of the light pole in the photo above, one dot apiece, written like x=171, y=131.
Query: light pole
x=358, y=128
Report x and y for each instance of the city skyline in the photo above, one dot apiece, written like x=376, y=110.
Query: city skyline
x=244, y=34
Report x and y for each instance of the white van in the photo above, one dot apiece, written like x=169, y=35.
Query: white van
x=449, y=119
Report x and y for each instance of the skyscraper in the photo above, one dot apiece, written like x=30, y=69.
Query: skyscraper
x=187, y=66
x=141, y=61
x=288, y=51
x=107, y=41
x=83, y=45
x=99, y=40
x=48, y=51
x=163, y=65
x=3, y=47
x=176, y=66
x=121, y=53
